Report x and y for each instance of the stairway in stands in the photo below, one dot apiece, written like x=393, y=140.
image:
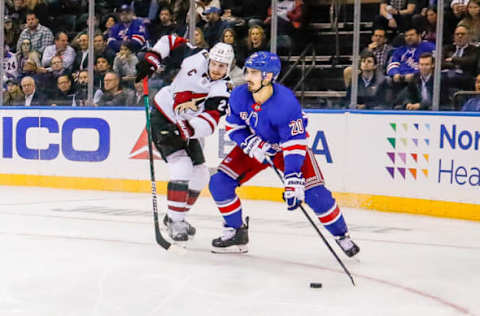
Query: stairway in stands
x=324, y=86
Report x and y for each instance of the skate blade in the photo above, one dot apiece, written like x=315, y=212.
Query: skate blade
x=230, y=250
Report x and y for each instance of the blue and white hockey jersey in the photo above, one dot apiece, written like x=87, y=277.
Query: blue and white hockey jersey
x=134, y=32
x=405, y=58
x=279, y=121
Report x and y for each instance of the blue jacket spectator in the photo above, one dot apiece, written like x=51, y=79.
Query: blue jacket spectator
x=127, y=30
x=405, y=58
x=213, y=30
x=473, y=104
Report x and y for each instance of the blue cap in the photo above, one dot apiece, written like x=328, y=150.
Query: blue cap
x=212, y=10
x=265, y=62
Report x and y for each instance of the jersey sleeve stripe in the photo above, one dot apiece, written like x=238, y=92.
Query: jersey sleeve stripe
x=138, y=38
x=294, y=142
x=294, y=152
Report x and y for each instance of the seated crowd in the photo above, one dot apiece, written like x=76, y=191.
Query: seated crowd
x=46, y=44
x=396, y=68
x=46, y=51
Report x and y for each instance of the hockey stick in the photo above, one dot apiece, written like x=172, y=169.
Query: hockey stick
x=158, y=235
x=269, y=160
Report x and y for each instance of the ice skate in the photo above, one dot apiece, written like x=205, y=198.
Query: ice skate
x=179, y=231
x=232, y=241
x=347, y=245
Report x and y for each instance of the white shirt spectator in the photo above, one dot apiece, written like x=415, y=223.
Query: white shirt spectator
x=28, y=99
x=68, y=56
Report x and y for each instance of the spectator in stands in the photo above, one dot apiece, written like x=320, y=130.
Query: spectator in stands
x=372, y=86
x=460, y=59
x=124, y=65
x=12, y=33
x=230, y=37
x=379, y=48
x=213, y=30
x=201, y=7
x=13, y=95
x=162, y=25
x=459, y=8
x=49, y=75
x=102, y=66
x=64, y=95
x=419, y=93
x=233, y=21
x=473, y=104
x=81, y=89
x=70, y=15
x=404, y=62
x=145, y=9
x=180, y=9
x=60, y=48
x=29, y=69
x=10, y=64
x=137, y=99
x=107, y=23
x=32, y=96
x=81, y=57
x=129, y=29
x=199, y=38
x=256, y=40
x=236, y=73
x=40, y=8
x=289, y=14
x=254, y=12
x=472, y=20
x=26, y=52
x=429, y=25
x=40, y=36
x=113, y=94
x=100, y=48
x=18, y=13
x=395, y=14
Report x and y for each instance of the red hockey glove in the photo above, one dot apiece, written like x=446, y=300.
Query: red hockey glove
x=150, y=63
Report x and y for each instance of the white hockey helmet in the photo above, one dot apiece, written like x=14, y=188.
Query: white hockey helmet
x=223, y=53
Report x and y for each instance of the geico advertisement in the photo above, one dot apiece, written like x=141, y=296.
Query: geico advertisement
x=84, y=143
x=425, y=156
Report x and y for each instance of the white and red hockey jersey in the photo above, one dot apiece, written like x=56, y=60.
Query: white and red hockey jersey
x=202, y=101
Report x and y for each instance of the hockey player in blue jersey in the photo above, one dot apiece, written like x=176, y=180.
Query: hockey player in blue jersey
x=266, y=119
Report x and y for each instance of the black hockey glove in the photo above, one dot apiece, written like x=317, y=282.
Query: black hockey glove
x=150, y=63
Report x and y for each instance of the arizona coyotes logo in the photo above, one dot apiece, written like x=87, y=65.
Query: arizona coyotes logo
x=187, y=100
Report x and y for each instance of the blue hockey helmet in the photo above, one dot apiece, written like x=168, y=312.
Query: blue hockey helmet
x=265, y=62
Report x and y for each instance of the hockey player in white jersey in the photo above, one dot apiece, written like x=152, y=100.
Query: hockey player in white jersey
x=183, y=114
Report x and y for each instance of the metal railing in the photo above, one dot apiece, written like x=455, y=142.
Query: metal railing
x=306, y=69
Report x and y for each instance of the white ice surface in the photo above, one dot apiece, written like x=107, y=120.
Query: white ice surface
x=70, y=253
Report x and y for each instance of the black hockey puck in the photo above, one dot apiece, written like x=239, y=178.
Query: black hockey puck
x=315, y=285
